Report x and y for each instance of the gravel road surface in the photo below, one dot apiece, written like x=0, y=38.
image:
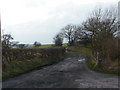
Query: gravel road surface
x=69, y=73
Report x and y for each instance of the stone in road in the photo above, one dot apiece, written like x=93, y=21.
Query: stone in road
x=69, y=73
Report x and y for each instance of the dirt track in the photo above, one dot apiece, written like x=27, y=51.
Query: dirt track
x=70, y=73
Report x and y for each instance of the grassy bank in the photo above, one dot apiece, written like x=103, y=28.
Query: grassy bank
x=98, y=68
x=90, y=62
x=19, y=61
x=15, y=68
x=81, y=49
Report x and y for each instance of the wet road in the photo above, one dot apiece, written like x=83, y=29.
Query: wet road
x=69, y=73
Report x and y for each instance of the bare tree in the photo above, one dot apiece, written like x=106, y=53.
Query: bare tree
x=81, y=35
x=68, y=32
x=103, y=25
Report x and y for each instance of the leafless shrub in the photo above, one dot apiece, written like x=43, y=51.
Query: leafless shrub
x=31, y=53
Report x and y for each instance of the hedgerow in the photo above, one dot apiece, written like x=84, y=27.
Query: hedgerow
x=28, y=53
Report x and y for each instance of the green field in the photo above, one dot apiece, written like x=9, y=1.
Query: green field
x=81, y=49
x=42, y=46
x=45, y=46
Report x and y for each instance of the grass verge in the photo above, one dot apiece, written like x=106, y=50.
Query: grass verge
x=15, y=68
x=89, y=62
x=99, y=68
x=83, y=50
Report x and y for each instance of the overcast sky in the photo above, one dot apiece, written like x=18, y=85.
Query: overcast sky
x=40, y=20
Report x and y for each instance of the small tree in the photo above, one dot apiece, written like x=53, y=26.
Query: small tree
x=6, y=43
x=21, y=45
x=36, y=44
x=68, y=32
x=80, y=35
x=58, y=39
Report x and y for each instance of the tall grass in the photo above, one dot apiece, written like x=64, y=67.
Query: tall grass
x=24, y=60
x=15, y=68
x=80, y=49
x=110, y=67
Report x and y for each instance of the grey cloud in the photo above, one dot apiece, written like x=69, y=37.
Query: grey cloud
x=60, y=16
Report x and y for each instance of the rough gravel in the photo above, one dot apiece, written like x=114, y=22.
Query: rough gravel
x=69, y=73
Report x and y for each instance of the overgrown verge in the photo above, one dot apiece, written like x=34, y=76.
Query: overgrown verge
x=17, y=65
x=100, y=68
x=81, y=49
x=110, y=67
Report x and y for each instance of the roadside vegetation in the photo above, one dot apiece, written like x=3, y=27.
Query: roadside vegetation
x=22, y=59
x=96, y=37
x=81, y=49
x=91, y=63
x=19, y=61
x=42, y=46
x=15, y=68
